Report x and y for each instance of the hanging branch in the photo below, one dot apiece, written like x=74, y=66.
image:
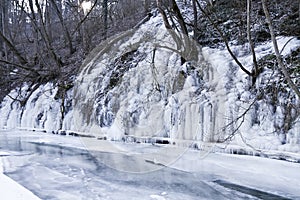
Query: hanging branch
x=22, y=60
x=23, y=67
x=153, y=70
x=61, y=20
x=85, y=17
x=224, y=40
x=240, y=118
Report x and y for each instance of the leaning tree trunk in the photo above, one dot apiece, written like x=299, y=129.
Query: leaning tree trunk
x=105, y=17
x=4, y=25
x=277, y=53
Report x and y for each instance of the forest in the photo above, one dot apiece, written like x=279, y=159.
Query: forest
x=46, y=41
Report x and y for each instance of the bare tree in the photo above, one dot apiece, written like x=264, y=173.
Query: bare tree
x=255, y=73
x=195, y=10
x=58, y=11
x=3, y=24
x=171, y=14
x=225, y=40
x=43, y=40
x=173, y=10
x=277, y=53
x=105, y=16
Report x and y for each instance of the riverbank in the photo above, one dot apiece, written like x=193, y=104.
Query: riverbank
x=287, y=152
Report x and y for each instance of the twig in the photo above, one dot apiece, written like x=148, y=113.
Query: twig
x=242, y=116
x=286, y=45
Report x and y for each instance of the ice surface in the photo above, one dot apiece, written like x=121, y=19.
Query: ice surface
x=10, y=189
x=56, y=170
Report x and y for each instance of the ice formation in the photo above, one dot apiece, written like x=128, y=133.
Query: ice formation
x=134, y=85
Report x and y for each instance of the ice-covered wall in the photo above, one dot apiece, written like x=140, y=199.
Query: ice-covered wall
x=135, y=84
x=150, y=94
x=203, y=99
x=40, y=111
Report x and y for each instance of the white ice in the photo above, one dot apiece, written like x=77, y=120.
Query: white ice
x=11, y=190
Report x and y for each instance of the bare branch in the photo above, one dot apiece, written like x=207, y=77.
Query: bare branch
x=242, y=117
x=85, y=18
x=277, y=53
x=14, y=49
x=19, y=66
x=225, y=40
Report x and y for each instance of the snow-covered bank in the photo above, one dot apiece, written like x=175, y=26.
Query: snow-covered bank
x=85, y=140
x=11, y=190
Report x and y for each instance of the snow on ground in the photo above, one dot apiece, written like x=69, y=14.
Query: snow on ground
x=10, y=189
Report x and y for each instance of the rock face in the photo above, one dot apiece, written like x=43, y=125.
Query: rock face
x=135, y=85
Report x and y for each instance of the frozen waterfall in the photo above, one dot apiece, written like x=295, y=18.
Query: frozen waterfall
x=135, y=85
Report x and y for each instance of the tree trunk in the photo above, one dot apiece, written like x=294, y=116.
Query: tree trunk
x=225, y=40
x=179, y=17
x=58, y=11
x=181, y=42
x=13, y=49
x=147, y=6
x=105, y=16
x=195, y=20
x=4, y=13
x=163, y=14
x=277, y=53
x=44, y=34
x=255, y=74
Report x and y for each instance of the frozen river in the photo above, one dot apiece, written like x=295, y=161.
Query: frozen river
x=58, y=170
